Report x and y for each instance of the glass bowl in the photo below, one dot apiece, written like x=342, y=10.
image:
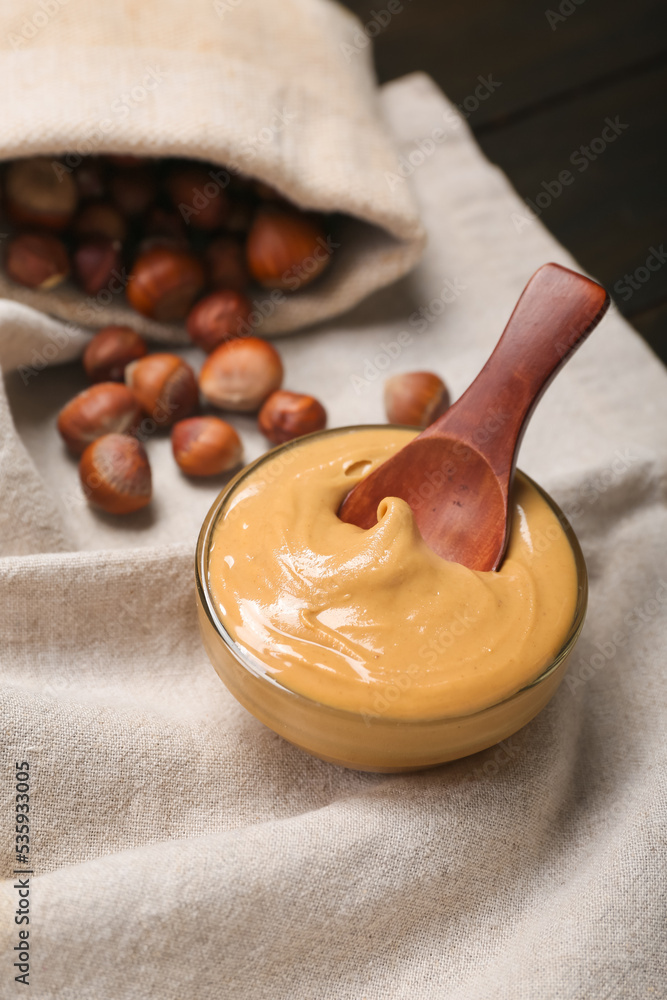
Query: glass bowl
x=352, y=739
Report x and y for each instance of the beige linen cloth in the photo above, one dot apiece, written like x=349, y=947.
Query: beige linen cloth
x=180, y=848
x=279, y=92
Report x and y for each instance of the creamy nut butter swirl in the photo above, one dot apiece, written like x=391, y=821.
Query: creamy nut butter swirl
x=373, y=621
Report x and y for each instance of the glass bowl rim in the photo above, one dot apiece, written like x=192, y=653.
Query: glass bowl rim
x=253, y=664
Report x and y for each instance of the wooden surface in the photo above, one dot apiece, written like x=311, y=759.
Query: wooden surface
x=456, y=475
x=561, y=76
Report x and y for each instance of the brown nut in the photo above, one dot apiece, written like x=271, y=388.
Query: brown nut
x=37, y=260
x=103, y=409
x=240, y=374
x=415, y=398
x=164, y=283
x=206, y=446
x=100, y=218
x=39, y=193
x=240, y=216
x=224, y=260
x=90, y=178
x=198, y=196
x=286, y=249
x=163, y=242
x=126, y=160
x=287, y=415
x=219, y=317
x=165, y=385
x=116, y=475
x=165, y=222
x=95, y=262
x=110, y=351
x=134, y=190
x=266, y=192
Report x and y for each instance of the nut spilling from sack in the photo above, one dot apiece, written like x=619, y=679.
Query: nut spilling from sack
x=176, y=228
x=106, y=424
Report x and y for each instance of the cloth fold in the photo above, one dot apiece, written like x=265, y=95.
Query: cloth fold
x=180, y=848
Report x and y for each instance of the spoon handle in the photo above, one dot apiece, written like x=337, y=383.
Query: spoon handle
x=555, y=314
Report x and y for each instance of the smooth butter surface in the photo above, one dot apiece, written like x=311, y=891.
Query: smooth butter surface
x=373, y=621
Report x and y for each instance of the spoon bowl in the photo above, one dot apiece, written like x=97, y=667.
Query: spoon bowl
x=456, y=475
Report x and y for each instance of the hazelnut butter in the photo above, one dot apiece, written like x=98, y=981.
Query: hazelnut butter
x=373, y=623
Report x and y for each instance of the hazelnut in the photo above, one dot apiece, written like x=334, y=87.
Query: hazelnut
x=134, y=190
x=95, y=261
x=198, y=196
x=224, y=260
x=266, y=192
x=286, y=249
x=116, y=475
x=219, y=317
x=100, y=218
x=165, y=385
x=110, y=351
x=164, y=283
x=165, y=222
x=240, y=217
x=240, y=374
x=166, y=242
x=90, y=178
x=415, y=398
x=240, y=185
x=37, y=195
x=126, y=160
x=103, y=409
x=206, y=446
x=286, y=415
x=37, y=260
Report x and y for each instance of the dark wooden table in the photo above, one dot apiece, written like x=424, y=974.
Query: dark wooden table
x=565, y=67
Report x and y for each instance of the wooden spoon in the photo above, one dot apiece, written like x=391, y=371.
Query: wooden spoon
x=456, y=475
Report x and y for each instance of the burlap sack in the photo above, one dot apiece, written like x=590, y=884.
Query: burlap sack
x=283, y=92
x=182, y=850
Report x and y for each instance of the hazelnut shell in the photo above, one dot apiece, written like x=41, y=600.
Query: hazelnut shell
x=164, y=283
x=110, y=351
x=37, y=260
x=288, y=415
x=286, y=249
x=165, y=386
x=219, y=317
x=116, y=475
x=239, y=374
x=415, y=398
x=105, y=408
x=206, y=446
